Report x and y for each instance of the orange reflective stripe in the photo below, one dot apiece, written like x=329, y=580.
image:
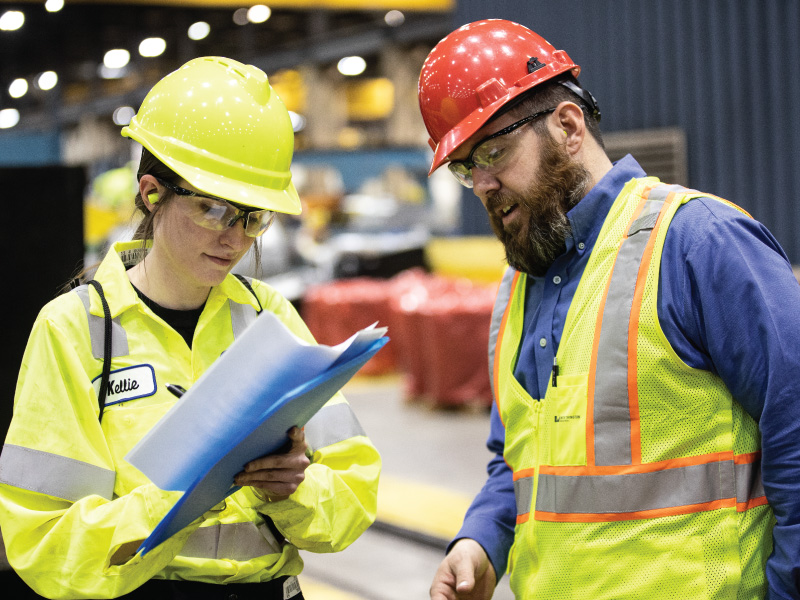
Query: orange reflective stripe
x=524, y=473
x=672, y=463
x=632, y=516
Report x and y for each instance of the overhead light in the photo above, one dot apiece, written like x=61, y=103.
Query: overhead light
x=240, y=16
x=298, y=121
x=54, y=5
x=123, y=115
x=116, y=59
x=394, y=18
x=18, y=88
x=11, y=20
x=112, y=73
x=199, y=30
x=8, y=118
x=151, y=47
x=258, y=13
x=352, y=65
x=47, y=80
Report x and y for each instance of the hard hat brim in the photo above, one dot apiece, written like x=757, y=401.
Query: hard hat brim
x=283, y=199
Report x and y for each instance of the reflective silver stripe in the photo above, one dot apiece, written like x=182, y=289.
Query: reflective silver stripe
x=231, y=541
x=97, y=328
x=242, y=315
x=646, y=221
x=612, y=418
x=332, y=424
x=500, y=304
x=523, y=494
x=748, y=482
x=633, y=492
x=54, y=475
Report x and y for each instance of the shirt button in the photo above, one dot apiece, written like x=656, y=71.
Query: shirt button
x=543, y=342
x=581, y=245
x=556, y=279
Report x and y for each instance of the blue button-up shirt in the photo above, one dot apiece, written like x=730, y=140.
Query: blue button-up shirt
x=728, y=303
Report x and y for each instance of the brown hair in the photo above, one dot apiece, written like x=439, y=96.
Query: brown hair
x=150, y=165
x=542, y=97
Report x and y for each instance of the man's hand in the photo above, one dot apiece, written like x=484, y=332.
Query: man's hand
x=465, y=574
x=277, y=476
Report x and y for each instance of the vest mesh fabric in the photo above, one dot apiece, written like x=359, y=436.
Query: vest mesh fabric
x=680, y=413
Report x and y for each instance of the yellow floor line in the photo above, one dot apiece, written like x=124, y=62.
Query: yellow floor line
x=316, y=590
x=420, y=507
x=403, y=503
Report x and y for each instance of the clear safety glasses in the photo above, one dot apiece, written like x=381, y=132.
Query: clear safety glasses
x=491, y=153
x=219, y=214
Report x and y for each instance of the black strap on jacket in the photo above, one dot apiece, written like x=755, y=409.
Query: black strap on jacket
x=101, y=396
x=246, y=283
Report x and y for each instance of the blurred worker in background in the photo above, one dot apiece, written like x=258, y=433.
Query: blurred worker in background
x=645, y=353
x=217, y=144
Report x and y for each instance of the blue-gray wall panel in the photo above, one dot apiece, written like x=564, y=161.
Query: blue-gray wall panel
x=726, y=71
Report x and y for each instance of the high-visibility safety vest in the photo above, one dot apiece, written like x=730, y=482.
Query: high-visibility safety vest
x=637, y=477
x=68, y=499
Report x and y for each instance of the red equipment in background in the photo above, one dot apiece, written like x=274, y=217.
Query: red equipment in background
x=438, y=327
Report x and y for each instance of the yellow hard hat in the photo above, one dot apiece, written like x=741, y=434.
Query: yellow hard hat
x=218, y=124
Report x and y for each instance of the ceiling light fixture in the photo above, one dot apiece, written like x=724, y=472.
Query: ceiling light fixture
x=258, y=13
x=240, y=16
x=108, y=73
x=199, y=30
x=151, y=47
x=123, y=115
x=18, y=88
x=54, y=5
x=352, y=65
x=117, y=58
x=298, y=121
x=47, y=80
x=8, y=118
x=11, y=20
x=394, y=18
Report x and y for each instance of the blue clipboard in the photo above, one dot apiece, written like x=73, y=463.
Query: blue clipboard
x=293, y=409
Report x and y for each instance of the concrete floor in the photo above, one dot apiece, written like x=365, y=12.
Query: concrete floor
x=434, y=462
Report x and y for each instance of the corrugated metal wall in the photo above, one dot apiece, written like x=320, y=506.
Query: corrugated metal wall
x=726, y=71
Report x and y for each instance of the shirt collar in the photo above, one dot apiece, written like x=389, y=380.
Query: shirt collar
x=587, y=217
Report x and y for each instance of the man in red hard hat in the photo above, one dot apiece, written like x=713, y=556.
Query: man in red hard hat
x=645, y=352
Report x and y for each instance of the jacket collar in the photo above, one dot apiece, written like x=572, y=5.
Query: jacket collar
x=121, y=296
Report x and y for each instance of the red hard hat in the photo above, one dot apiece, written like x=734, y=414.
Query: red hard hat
x=475, y=71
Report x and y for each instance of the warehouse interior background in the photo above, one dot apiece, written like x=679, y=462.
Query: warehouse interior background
x=701, y=92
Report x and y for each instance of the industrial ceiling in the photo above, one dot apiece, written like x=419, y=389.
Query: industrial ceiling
x=73, y=41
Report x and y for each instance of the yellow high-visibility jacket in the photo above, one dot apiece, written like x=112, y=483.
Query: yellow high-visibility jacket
x=68, y=499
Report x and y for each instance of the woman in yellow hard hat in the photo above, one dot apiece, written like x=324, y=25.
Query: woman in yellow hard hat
x=217, y=145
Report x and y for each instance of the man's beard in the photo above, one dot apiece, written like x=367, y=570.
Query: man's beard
x=559, y=185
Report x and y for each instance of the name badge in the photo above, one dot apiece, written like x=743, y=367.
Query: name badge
x=129, y=383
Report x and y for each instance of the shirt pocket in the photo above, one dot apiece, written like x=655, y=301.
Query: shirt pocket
x=565, y=418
